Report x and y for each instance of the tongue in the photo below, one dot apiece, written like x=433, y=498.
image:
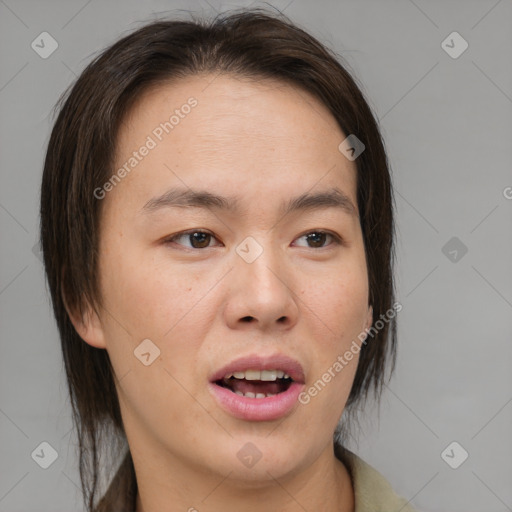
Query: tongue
x=256, y=386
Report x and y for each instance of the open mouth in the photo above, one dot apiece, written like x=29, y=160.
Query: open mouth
x=256, y=383
x=258, y=388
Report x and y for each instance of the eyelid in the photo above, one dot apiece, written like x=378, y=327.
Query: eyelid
x=170, y=239
x=338, y=240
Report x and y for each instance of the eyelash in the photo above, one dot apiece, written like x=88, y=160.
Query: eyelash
x=337, y=239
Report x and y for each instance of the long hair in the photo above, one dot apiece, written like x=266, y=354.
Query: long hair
x=80, y=157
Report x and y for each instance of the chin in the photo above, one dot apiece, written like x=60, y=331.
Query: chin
x=254, y=461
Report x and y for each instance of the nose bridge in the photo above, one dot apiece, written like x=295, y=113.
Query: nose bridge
x=259, y=261
x=261, y=290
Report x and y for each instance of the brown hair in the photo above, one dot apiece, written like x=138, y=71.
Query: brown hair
x=80, y=158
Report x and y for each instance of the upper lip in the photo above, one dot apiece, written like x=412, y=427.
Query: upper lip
x=256, y=362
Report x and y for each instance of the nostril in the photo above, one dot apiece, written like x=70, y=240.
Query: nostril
x=247, y=318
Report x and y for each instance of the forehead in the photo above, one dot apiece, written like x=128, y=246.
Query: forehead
x=241, y=134
x=231, y=107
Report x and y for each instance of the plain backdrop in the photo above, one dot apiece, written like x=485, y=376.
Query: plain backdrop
x=447, y=122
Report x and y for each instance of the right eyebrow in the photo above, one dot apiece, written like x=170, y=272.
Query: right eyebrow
x=183, y=198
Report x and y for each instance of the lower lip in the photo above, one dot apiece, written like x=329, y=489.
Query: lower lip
x=257, y=409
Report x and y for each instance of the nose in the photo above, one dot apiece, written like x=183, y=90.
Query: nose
x=262, y=294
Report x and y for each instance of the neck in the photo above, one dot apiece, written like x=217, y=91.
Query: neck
x=324, y=485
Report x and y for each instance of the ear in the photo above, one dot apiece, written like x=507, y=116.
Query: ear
x=88, y=326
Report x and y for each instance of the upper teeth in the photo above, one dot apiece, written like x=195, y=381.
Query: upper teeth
x=267, y=375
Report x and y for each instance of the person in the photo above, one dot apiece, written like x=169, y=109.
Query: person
x=217, y=231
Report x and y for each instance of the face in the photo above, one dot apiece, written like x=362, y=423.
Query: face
x=206, y=281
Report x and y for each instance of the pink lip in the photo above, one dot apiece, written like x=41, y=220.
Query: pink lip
x=259, y=409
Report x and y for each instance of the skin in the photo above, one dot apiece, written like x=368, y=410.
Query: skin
x=265, y=142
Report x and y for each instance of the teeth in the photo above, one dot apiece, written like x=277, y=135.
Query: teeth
x=252, y=375
x=268, y=375
x=253, y=395
x=264, y=375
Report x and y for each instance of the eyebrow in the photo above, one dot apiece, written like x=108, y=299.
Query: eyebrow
x=189, y=198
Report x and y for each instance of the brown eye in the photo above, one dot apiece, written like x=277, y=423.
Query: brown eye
x=317, y=239
x=201, y=239
x=196, y=239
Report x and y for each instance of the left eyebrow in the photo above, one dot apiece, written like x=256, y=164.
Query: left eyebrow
x=189, y=198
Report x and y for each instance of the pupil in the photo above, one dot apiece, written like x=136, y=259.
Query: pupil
x=314, y=238
x=200, y=237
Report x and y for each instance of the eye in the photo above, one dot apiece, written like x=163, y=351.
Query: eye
x=318, y=237
x=197, y=238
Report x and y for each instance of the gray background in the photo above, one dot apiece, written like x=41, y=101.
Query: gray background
x=448, y=128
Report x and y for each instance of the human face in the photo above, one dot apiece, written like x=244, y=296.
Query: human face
x=205, y=302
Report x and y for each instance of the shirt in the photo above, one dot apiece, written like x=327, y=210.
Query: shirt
x=372, y=492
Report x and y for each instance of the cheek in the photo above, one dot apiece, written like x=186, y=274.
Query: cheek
x=340, y=299
x=339, y=303
x=147, y=303
x=149, y=299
